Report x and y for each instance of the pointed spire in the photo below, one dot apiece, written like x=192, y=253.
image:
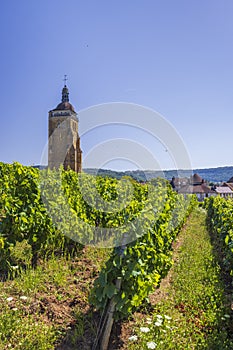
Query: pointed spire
x=65, y=91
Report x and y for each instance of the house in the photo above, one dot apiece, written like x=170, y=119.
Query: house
x=178, y=182
x=196, y=185
x=226, y=190
x=229, y=183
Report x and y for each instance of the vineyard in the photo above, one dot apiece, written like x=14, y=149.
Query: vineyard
x=105, y=243
x=220, y=222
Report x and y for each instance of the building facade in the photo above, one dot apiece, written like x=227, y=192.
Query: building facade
x=64, y=141
x=194, y=185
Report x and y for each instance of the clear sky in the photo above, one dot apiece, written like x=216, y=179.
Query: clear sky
x=172, y=56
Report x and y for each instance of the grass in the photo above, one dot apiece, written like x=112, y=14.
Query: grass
x=193, y=312
x=22, y=331
x=45, y=307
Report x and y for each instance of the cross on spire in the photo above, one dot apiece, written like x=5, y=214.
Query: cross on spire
x=65, y=91
x=65, y=79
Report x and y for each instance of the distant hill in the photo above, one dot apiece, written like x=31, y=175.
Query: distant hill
x=216, y=174
x=209, y=174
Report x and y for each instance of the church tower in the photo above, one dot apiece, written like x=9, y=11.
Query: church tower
x=64, y=141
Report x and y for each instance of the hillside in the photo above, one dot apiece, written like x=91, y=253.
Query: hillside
x=219, y=174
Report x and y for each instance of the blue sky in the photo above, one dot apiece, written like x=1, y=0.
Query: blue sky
x=175, y=57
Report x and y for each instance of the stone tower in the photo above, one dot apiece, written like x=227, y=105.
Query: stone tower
x=64, y=141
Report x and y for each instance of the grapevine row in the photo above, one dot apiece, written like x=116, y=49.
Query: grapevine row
x=220, y=222
x=47, y=211
x=146, y=260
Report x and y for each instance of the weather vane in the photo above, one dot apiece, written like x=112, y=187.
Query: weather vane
x=65, y=79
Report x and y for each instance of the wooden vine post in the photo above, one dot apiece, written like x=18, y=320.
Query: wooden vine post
x=109, y=323
x=112, y=304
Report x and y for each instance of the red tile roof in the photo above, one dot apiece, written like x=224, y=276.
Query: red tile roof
x=223, y=189
x=203, y=188
x=65, y=106
x=196, y=179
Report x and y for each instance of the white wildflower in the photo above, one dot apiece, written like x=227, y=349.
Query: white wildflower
x=10, y=299
x=151, y=345
x=167, y=317
x=148, y=321
x=23, y=297
x=144, y=329
x=14, y=267
x=159, y=317
x=14, y=309
x=133, y=338
x=158, y=323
